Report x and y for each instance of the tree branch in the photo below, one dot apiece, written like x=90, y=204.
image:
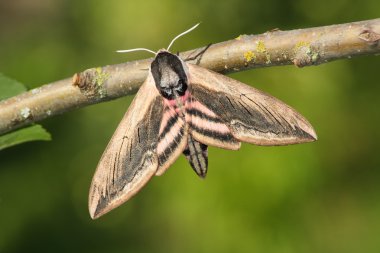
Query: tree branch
x=303, y=47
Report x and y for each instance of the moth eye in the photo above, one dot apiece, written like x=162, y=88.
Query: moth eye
x=181, y=87
x=167, y=90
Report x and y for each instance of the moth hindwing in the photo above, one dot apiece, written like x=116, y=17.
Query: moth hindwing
x=184, y=108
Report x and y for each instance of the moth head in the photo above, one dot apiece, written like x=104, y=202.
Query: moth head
x=169, y=74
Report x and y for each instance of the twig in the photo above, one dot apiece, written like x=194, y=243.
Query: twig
x=303, y=47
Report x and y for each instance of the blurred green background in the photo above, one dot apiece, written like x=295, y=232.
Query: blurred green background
x=318, y=197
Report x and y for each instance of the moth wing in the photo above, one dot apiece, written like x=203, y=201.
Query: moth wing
x=251, y=115
x=130, y=158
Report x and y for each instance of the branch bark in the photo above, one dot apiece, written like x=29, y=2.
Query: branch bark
x=302, y=47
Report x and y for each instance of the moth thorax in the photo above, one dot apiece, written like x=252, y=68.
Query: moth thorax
x=169, y=75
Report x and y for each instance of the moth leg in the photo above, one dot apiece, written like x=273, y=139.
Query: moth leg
x=198, y=56
x=196, y=154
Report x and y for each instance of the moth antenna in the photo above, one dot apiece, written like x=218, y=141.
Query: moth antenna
x=179, y=35
x=136, y=49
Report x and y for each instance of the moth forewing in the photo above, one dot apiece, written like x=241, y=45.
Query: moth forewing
x=252, y=115
x=130, y=158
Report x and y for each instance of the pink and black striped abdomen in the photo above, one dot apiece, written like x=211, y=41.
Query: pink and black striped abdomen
x=172, y=138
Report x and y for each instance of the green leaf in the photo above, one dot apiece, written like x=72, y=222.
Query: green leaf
x=32, y=133
x=9, y=88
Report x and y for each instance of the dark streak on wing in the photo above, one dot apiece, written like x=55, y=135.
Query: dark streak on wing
x=195, y=112
x=117, y=157
x=114, y=169
x=275, y=119
x=229, y=100
x=130, y=150
x=245, y=108
x=225, y=137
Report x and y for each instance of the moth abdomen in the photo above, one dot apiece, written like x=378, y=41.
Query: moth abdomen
x=196, y=154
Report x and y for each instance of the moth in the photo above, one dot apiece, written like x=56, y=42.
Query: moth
x=182, y=108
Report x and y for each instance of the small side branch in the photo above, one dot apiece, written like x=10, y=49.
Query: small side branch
x=303, y=47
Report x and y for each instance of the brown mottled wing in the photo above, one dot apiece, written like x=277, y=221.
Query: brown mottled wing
x=251, y=115
x=130, y=158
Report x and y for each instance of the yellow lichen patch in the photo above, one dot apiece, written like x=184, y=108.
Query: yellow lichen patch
x=100, y=79
x=301, y=44
x=240, y=37
x=260, y=47
x=101, y=76
x=249, y=56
